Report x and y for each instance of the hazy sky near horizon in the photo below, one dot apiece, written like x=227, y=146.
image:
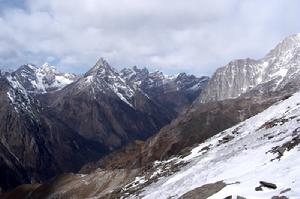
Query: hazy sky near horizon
x=173, y=36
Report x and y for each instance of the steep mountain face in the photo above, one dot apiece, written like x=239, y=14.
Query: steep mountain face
x=53, y=122
x=34, y=144
x=44, y=79
x=102, y=107
x=279, y=68
x=195, y=126
x=256, y=158
x=174, y=92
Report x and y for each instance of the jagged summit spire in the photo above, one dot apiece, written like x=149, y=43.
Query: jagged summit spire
x=286, y=47
x=46, y=67
x=101, y=62
x=101, y=66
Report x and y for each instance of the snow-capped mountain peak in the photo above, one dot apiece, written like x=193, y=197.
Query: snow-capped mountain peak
x=104, y=79
x=278, y=68
x=101, y=68
x=21, y=101
x=42, y=79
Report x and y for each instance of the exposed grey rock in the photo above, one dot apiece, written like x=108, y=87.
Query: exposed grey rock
x=286, y=190
x=279, y=197
x=204, y=191
x=174, y=92
x=268, y=184
x=42, y=79
x=279, y=68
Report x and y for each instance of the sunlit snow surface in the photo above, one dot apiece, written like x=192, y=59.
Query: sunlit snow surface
x=245, y=159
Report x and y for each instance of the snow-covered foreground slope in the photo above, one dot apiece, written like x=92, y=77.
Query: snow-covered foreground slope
x=262, y=148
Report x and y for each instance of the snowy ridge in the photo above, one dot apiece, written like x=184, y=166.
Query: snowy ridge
x=19, y=98
x=262, y=148
x=148, y=81
x=105, y=79
x=138, y=76
x=43, y=79
x=278, y=68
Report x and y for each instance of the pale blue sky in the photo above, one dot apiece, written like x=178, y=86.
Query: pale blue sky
x=194, y=36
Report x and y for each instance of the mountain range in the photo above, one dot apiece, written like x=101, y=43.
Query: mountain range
x=54, y=122
x=139, y=134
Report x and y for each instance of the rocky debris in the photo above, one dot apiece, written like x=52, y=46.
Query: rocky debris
x=265, y=184
x=286, y=190
x=185, y=152
x=150, y=175
x=279, y=197
x=204, y=191
x=205, y=149
x=77, y=186
x=226, y=139
x=268, y=184
x=276, y=122
x=287, y=146
x=236, y=130
x=237, y=197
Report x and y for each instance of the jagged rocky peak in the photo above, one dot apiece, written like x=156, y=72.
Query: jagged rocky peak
x=184, y=80
x=104, y=79
x=42, y=79
x=134, y=74
x=278, y=68
x=103, y=73
x=142, y=71
x=286, y=47
x=101, y=68
x=48, y=68
x=18, y=97
x=158, y=82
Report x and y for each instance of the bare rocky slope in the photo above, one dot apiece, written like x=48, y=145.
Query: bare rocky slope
x=34, y=144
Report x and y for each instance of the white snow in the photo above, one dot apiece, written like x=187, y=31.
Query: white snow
x=46, y=78
x=245, y=159
x=18, y=97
